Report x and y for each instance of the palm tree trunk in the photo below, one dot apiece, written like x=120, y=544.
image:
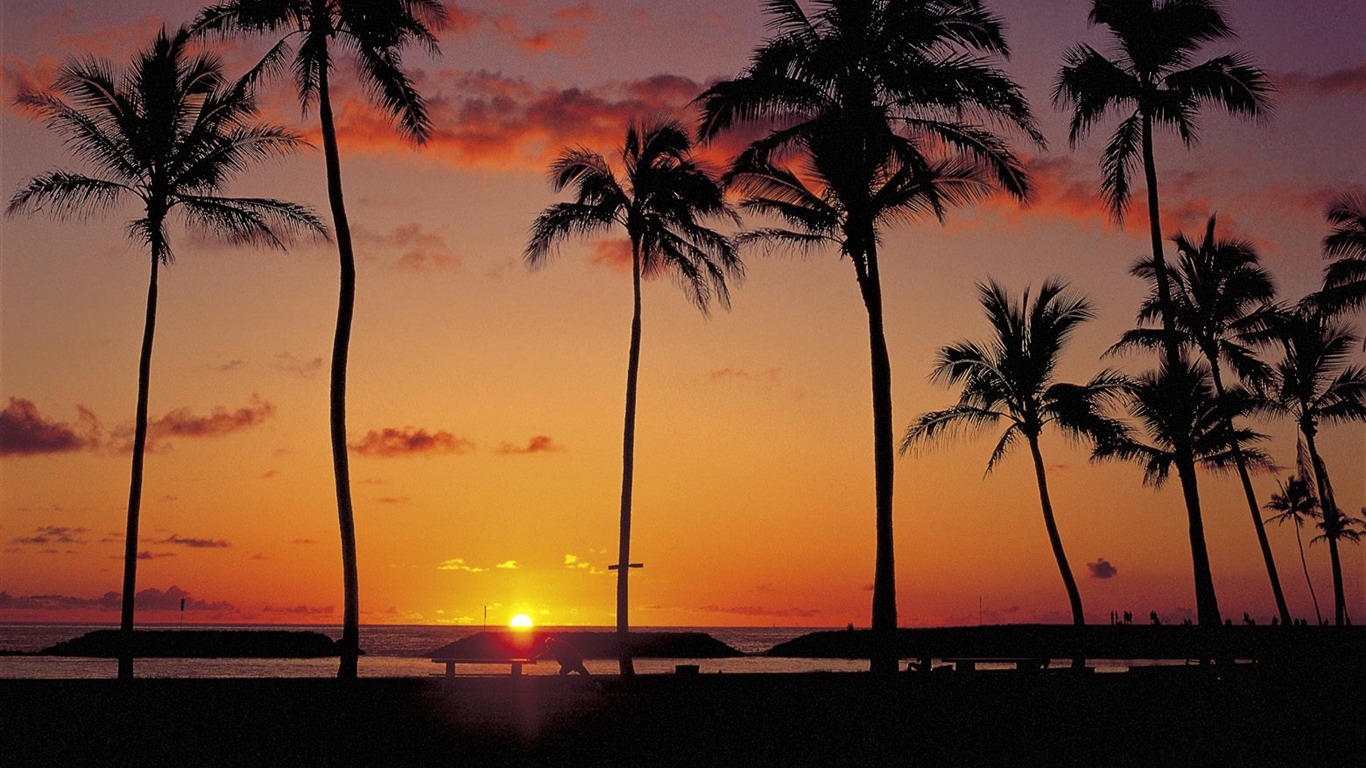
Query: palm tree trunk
x=341, y=343
x=884, y=656
x=130, y=541
x=628, y=450
x=1304, y=563
x=1206, y=605
x=1054, y=539
x=1251, y=496
x=1329, y=509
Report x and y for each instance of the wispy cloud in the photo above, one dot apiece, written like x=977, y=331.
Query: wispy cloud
x=767, y=376
x=52, y=534
x=409, y=248
x=537, y=444
x=300, y=610
x=1351, y=80
x=579, y=564
x=304, y=367
x=392, y=442
x=150, y=599
x=25, y=432
x=458, y=564
x=1101, y=569
x=193, y=543
x=755, y=610
x=508, y=565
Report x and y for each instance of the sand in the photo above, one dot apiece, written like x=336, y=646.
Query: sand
x=1171, y=716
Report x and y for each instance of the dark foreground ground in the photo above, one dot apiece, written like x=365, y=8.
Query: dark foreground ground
x=1175, y=716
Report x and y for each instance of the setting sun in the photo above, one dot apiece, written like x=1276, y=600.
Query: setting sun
x=520, y=621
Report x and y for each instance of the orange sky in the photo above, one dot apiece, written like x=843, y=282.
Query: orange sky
x=485, y=400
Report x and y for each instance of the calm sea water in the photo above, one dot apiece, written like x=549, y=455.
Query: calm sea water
x=389, y=652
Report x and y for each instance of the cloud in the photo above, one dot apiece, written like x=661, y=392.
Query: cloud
x=300, y=610
x=305, y=368
x=25, y=432
x=1351, y=80
x=579, y=564
x=391, y=442
x=149, y=555
x=458, y=564
x=508, y=565
x=304, y=541
x=613, y=253
x=409, y=248
x=394, y=499
x=193, y=543
x=768, y=375
x=754, y=610
x=52, y=534
x=150, y=599
x=490, y=121
x=229, y=366
x=537, y=444
x=1101, y=569
x=218, y=423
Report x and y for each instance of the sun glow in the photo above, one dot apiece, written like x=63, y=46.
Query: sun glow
x=520, y=621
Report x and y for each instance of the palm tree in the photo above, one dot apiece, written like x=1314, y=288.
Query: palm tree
x=1154, y=81
x=1296, y=503
x=170, y=132
x=661, y=199
x=1313, y=383
x=1345, y=278
x=1217, y=287
x=374, y=32
x=1010, y=380
x=1177, y=406
x=883, y=103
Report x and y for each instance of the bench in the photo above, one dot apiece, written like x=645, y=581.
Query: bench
x=451, y=662
x=1024, y=664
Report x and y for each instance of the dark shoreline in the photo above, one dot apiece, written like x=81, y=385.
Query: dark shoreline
x=1243, y=715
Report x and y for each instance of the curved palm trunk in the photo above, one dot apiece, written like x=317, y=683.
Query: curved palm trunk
x=341, y=343
x=884, y=656
x=1054, y=539
x=628, y=450
x=1250, y=495
x=1206, y=604
x=1299, y=539
x=1327, y=507
x=130, y=541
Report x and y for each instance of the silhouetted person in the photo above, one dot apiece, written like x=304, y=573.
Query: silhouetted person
x=567, y=655
x=1154, y=619
x=1248, y=620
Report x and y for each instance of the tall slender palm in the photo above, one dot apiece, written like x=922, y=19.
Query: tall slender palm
x=169, y=132
x=1314, y=382
x=1345, y=278
x=1217, y=287
x=1010, y=380
x=884, y=104
x=1154, y=81
x=1296, y=504
x=661, y=200
x=1177, y=406
x=373, y=32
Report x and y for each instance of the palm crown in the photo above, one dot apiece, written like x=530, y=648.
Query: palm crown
x=1153, y=79
x=373, y=31
x=661, y=200
x=171, y=132
x=1010, y=378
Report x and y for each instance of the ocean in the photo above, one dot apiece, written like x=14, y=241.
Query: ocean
x=390, y=651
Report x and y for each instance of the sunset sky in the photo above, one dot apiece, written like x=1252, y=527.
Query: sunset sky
x=485, y=402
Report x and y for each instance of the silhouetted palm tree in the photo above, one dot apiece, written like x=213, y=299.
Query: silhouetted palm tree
x=1154, y=78
x=1345, y=278
x=1296, y=503
x=661, y=199
x=1177, y=406
x=373, y=32
x=1010, y=380
x=1314, y=382
x=1217, y=286
x=170, y=132
x=883, y=103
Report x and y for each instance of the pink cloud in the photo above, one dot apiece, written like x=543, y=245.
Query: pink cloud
x=392, y=442
x=25, y=432
x=409, y=248
x=1351, y=80
x=537, y=444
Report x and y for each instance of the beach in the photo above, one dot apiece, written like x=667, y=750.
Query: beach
x=1242, y=715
